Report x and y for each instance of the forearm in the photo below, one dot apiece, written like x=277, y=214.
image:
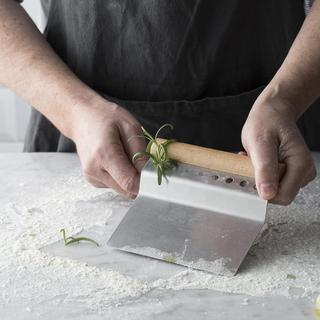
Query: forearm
x=30, y=67
x=297, y=82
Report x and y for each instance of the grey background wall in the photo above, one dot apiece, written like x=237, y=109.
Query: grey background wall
x=14, y=112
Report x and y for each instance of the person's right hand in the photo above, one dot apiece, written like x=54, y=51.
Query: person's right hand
x=101, y=131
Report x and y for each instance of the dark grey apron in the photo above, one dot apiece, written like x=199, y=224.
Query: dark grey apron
x=197, y=64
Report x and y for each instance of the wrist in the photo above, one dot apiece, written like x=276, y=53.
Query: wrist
x=86, y=107
x=75, y=105
x=277, y=97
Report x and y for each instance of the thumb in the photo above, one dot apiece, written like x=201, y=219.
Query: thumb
x=264, y=156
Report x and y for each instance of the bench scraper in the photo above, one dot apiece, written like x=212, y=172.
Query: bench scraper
x=205, y=215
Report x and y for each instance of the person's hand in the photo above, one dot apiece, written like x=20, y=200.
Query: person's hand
x=101, y=131
x=269, y=136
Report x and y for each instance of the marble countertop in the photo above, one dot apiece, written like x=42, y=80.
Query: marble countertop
x=40, y=278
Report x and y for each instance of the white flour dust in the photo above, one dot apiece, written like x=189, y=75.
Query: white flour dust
x=217, y=267
x=285, y=261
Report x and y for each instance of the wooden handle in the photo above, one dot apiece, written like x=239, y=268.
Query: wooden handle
x=213, y=159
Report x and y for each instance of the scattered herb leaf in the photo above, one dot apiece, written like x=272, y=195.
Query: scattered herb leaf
x=170, y=259
x=160, y=158
x=70, y=240
x=291, y=276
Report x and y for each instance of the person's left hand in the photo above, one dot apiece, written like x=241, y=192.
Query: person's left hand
x=270, y=135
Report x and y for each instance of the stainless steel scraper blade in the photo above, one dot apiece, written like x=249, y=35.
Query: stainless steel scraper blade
x=198, y=218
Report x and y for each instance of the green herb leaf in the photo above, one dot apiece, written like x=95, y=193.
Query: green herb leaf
x=162, y=127
x=77, y=240
x=141, y=155
x=159, y=173
x=70, y=240
x=147, y=135
x=149, y=146
x=160, y=158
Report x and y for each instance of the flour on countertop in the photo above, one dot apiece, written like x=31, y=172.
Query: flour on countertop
x=32, y=218
x=217, y=266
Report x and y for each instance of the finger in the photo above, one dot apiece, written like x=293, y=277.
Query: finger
x=298, y=174
x=264, y=156
x=309, y=178
x=132, y=144
x=99, y=178
x=91, y=172
x=96, y=183
x=109, y=182
x=103, y=180
x=118, y=165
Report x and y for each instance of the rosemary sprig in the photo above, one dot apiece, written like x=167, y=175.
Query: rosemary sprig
x=70, y=240
x=160, y=158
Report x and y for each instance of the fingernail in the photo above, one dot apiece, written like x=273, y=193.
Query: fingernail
x=267, y=190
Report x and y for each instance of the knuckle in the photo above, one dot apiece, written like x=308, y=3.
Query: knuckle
x=132, y=127
x=115, y=157
x=99, y=155
x=136, y=126
x=113, y=106
x=262, y=137
x=103, y=156
x=89, y=170
x=106, y=180
x=306, y=168
x=95, y=183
